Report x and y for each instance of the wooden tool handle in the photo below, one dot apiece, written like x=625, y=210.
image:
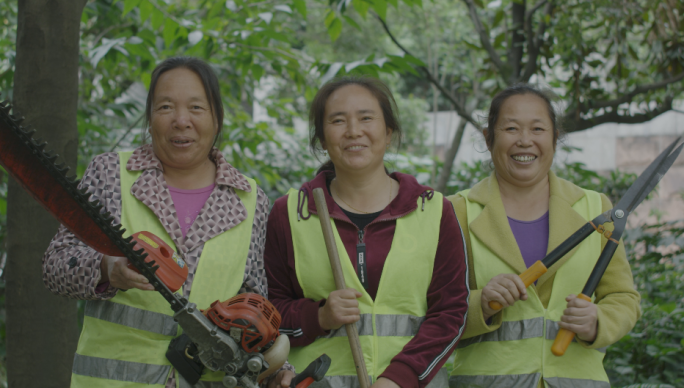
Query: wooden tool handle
x=331, y=245
x=565, y=336
x=534, y=272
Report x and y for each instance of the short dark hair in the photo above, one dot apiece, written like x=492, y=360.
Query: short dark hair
x=209, y=81
x=317, y=111
x=516, y=90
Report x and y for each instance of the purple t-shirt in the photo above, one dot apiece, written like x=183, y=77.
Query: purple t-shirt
x=532, y=238
x=188, y=204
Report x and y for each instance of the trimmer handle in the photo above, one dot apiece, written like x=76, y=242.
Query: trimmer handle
x=314, y=372
x=534, y=272
x=565, y=336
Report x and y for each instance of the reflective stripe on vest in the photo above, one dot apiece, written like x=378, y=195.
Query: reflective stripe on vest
x=518, y=354
x=124, y=340
x=391, y=325
x=522, y=381
x=387, y=323
x=440, y=380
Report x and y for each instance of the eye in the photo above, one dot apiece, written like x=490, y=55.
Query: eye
x=366, y=118
x=164, y=107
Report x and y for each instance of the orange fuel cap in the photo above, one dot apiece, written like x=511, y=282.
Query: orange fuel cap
x=172, y=269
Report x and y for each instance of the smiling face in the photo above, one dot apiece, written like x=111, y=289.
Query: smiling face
x=182, y=123
x=523, y=146
x=354, y=129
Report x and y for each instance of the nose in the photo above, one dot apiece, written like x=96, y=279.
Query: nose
x=182, y=119
x=525, y=139
x=353, y=128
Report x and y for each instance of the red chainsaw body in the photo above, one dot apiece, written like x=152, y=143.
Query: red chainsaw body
x=172, y=269
x=257, y=319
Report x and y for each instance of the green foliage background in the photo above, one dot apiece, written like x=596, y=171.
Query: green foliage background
x=271, y=57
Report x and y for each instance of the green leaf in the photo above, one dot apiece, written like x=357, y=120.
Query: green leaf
x=352, y=22
x=668, y=307
x=393, y=2
x=276, y=36
x=215, y=10
x=402, y=64
x=157, y=19
x=498, y=17
x=471, y=45
x=478, y=3
x=300, y=6
x=129, y=5
x=335, y=29
x=361, y=7
x=169, y=34
x=414, y=60
x=380, y=7
x=257, y=72
x=632, y=53
x=145, y=10
x=499, y=39
x=146, y=79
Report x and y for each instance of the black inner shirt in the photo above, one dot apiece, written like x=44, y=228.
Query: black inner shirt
x=360, y=220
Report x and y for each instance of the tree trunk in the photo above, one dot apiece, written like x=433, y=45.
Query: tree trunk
x=450, y=157
x=42, y=328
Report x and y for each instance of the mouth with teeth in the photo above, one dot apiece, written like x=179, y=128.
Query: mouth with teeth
x=355, y=148
x=523, y=158
x=181, y=142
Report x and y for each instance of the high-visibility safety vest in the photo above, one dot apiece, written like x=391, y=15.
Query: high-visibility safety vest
x=518, y=354
x=388, y=322
x=124, y=339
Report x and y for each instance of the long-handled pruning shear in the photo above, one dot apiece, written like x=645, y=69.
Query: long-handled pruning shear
x=618, y=216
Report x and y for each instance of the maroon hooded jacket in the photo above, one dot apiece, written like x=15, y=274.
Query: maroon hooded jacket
x=447, y=296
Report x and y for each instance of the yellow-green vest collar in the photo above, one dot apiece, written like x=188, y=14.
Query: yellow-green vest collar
x=493, y=229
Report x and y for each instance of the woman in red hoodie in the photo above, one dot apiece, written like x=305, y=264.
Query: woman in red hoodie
x=400, y=245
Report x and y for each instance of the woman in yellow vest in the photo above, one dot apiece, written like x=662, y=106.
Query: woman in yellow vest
x=181, y=189
x=400, y=247
x=514, y=217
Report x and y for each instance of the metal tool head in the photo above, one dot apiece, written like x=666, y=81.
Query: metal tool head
x=648, y=180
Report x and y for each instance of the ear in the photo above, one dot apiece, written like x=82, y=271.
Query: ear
x=485, y=132
x=390, y=131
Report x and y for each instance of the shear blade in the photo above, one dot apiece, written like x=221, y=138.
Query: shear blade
x=648, y=180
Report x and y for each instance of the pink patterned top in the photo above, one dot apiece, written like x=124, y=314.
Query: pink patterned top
x=188, y=204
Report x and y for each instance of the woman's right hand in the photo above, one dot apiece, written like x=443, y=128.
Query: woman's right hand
x=506, y=289
x=340, y=308
x=115, y=271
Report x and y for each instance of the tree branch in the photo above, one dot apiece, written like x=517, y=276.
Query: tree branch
x=530, y=13
x=515, y=50
x=130, y=128
x=460, y=109
x=640, y=89
x=574, y=125
x=534, y=41
x=450, y=157
x=484, y=39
